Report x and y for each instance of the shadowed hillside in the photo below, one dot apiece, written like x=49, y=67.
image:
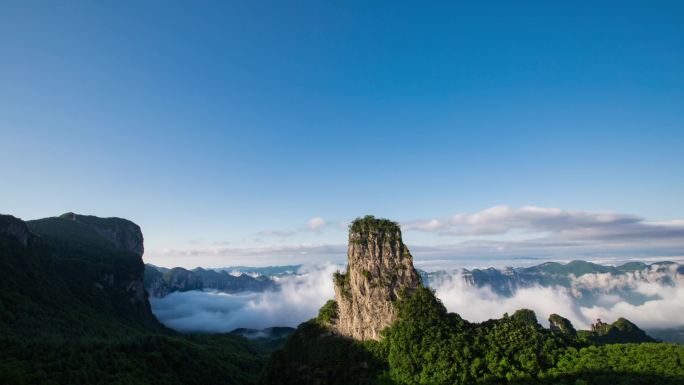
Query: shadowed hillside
x=73, y=311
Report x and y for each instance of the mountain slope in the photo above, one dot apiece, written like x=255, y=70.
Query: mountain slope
x=73, y=310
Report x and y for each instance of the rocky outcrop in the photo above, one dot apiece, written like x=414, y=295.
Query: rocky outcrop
x=14, y=228
x=123, y=233
x=114, y=250
x=561, y=325
x=379, y=272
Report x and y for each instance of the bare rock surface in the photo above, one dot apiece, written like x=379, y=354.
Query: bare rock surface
x=379, y=271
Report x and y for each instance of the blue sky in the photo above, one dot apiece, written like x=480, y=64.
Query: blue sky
x=217, y=125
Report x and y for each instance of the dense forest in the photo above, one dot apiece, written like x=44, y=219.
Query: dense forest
x=428, y=345
x=71, y=313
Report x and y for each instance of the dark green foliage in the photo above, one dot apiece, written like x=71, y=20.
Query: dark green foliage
x=68, y=316
x=142, y=358
x=341, y=280
x=313, y=355
x=420, y=342
x=526, y=317
x=372, y=225
x=628, y=364
x=620, y=331
x=328, y=313
x=428, y=345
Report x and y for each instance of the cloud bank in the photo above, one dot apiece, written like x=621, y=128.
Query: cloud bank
x=302, y=295
x=299, y=298
x=557, y=224
x=497, y=232
x=660, y=303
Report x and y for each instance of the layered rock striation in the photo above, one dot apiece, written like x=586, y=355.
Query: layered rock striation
x=379, y=272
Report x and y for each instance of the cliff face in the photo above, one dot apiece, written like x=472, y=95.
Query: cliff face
x=103, y=252
x=379, y=271
x=122, y=233
x=125, y=236
x=65, y=278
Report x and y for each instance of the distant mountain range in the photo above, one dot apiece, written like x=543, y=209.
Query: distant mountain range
x=160, y=281
x=578, y=276
x=586, y=282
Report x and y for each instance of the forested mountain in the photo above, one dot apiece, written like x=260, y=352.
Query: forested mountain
x=73, y=310
x=424, y=344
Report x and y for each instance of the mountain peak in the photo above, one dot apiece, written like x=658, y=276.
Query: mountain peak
x=379, y=271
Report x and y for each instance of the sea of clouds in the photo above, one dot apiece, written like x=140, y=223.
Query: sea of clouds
x=301, y=295
x=662, y=305
x=299, y=298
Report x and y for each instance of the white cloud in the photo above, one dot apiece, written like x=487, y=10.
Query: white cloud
x=299, y=299
x=428, y=225
x=316, y=223
x=569, y=224
x=662, y=309
x=219, y=256
x=497, y=232
x=552, y=232
x=480, y=304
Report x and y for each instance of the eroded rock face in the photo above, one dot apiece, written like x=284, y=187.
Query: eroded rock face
x=562, y=325
x=379, y=271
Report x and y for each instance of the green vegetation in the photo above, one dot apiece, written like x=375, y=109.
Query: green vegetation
x=428, y=345
x=327, y=313
x=561, y=325
x=70, y=313
x=141, y=358
x=621, y=330
x=645, y=363
x=372, y=225
x=312, y=355
x=341, y=280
